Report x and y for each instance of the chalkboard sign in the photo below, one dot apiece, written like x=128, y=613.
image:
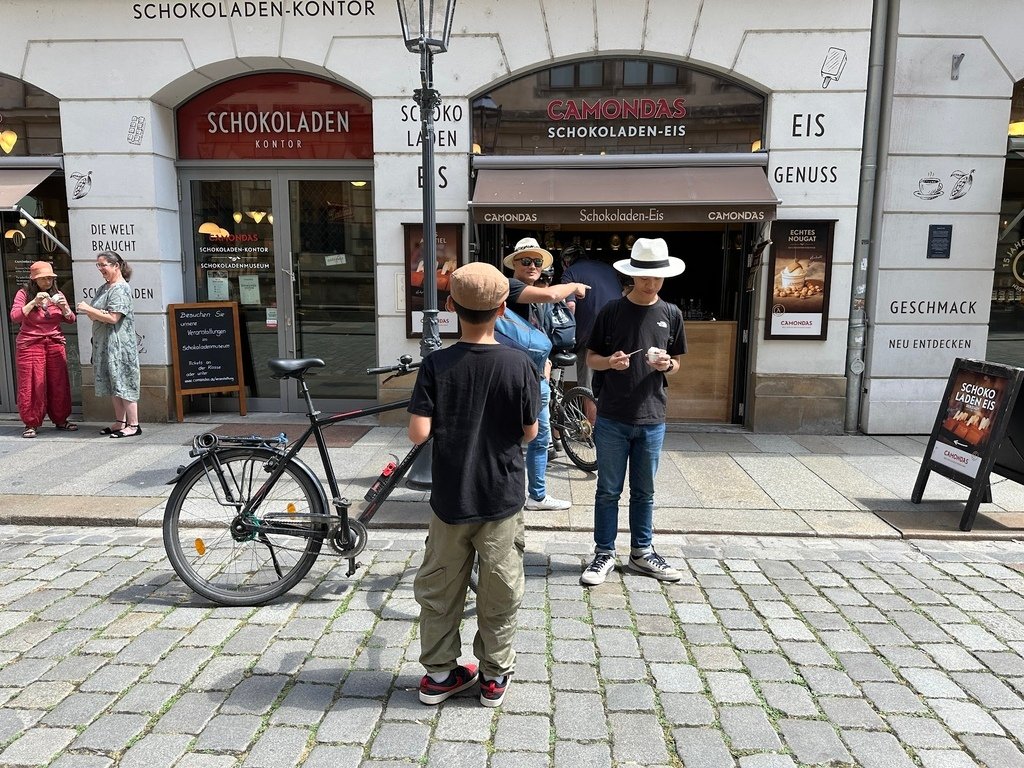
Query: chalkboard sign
x=967, y=441
x=206, y=356
x=940, y=240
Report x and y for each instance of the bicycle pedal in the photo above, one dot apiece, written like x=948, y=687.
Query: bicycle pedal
x=374, y=490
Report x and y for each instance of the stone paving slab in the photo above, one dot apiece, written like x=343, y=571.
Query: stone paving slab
x=946, y=524
x=711, y=481
x=770, y=651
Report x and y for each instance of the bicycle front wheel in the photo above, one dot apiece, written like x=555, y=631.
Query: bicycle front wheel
x=577, y=430
x=226, y=558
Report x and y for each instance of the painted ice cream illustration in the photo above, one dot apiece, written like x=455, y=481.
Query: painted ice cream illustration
x=793, y=275
x=833, y=66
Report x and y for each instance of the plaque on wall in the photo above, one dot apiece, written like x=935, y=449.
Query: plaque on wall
x=940, y=240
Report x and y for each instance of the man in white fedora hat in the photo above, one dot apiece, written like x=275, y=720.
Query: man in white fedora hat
x=635, y=344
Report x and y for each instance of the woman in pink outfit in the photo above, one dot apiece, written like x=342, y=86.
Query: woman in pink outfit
x=40, y=351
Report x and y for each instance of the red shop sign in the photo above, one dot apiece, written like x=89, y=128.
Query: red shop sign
x=276, y=116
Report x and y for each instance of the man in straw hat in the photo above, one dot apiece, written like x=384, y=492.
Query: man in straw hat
x=636, y=342
x=479, y=400
x=528, y=262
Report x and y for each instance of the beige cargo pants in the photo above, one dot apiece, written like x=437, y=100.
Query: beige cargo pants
x=443, y=579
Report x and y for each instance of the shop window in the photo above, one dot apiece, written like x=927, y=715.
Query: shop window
x=29, y=120
x=1006, y=317
x=588, y=74
x=638, y=73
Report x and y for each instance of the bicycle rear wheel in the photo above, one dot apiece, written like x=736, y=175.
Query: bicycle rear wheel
x=577, y=431
x=229, y=560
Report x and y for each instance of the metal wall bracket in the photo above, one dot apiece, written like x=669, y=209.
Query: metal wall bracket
x=954, y=73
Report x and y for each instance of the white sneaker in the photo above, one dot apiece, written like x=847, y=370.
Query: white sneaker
x=598, y=570
x=549, y=502
x=653, y=564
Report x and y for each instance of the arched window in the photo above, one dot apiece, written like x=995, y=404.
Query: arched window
x=617, y=106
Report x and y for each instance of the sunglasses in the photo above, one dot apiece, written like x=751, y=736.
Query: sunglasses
x=534, y=262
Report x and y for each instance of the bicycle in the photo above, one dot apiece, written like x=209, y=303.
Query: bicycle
x=269, y=511
x=569, y=415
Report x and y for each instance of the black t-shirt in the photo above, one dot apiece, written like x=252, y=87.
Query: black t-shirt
x=479, y=396
x=636, y=395
x=537, y=315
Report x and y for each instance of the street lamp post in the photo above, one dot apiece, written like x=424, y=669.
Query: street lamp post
x=427, y=27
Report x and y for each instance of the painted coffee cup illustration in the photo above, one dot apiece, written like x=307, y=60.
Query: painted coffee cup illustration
x=929, y=187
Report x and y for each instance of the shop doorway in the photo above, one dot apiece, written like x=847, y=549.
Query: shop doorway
x=714, y=294
x=295, y=249
x=22, y=243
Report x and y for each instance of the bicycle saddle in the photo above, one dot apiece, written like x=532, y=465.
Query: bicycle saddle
x=563, y=359
x=293, y=369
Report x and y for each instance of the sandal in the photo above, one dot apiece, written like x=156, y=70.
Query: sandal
x=67, y=426
x=120, y=433
x=29, y=432
x=109, y=431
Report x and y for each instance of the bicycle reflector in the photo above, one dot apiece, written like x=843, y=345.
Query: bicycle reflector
x=291, y=508
x=374, y=490
x=200, y=547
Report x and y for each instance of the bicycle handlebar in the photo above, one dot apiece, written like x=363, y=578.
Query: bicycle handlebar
x=405, y=365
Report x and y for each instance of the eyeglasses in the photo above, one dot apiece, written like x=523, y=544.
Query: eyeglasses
x=534, y=262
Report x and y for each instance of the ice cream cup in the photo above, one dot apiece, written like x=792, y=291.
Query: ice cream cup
x=793, y=279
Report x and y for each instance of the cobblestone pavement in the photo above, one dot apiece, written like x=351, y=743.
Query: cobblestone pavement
x=771, y=652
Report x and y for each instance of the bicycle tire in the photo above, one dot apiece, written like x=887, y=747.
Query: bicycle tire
x=218, y=565
x=577, y=433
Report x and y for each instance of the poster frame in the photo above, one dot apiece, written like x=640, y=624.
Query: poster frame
x=981, y=490
x=180, y=391
x=773, y=307
x=447, y=251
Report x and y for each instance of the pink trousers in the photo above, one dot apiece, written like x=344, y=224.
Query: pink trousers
x=43, y=383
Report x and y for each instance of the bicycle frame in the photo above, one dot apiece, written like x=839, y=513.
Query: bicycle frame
x=375, y=496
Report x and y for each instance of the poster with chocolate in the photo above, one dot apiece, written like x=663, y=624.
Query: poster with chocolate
x=449, y=257
x=971, y=407
x=977, y=431
x=800, y=269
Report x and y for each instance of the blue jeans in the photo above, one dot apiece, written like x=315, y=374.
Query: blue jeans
x=537, y=449
x=617, y=444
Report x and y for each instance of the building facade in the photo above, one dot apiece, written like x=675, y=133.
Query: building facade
x=838, y=178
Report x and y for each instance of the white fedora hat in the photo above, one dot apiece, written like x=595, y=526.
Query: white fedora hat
x=529, y=247
x=649, y=258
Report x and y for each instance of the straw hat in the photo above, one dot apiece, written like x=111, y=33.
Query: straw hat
x=528, y=246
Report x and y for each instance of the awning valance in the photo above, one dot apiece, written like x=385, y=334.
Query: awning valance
x=15, y=183
x=642, y=196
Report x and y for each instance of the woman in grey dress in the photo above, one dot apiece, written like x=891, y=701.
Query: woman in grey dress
x=115, y=351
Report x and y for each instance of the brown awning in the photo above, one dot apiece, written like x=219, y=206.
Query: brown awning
x=15, y=183
x=643, y=196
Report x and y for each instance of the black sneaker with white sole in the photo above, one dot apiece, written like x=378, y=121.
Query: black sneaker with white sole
x=598, y=570
x=653, y=564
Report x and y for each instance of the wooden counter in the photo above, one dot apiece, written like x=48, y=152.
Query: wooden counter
x=702, y=390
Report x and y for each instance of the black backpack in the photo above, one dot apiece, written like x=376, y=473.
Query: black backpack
x=563, y=328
